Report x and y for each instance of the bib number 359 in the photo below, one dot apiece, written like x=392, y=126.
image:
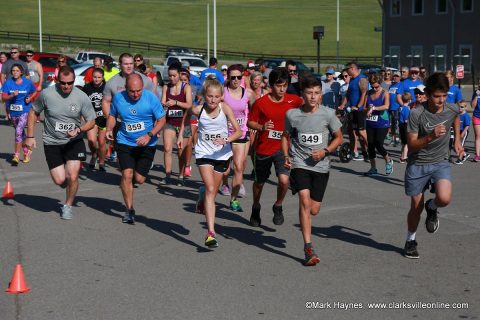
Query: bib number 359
x=135, y=127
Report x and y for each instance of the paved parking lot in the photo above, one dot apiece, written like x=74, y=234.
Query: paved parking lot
x=95, y=267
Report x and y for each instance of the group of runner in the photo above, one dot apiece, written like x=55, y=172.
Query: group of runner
x=295, y=134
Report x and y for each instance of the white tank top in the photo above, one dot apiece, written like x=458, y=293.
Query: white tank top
x=208, y=130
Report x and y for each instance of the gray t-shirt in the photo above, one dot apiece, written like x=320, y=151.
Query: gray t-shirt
x=308, y=132
x=117, y=84
x=423, y=121
x=330, y=94
x=62, y=113
x=7, y=67
x=34, y=75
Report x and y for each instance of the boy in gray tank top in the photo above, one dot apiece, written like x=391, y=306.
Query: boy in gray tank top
x=428, y=164
x=309, y=128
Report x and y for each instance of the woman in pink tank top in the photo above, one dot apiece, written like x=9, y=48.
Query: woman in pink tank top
x=238, y=98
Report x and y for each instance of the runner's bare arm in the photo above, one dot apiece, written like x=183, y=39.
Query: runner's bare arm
x=106, y=102
x=287, y=162
x=458, y=140
x=363, y=85
x=236, y=127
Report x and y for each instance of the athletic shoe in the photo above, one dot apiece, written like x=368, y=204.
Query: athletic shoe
x=181, y=182
x=27, y=155
x=210, y=240
x=129, y=216
x=224, y=190
x=235, y=206
x=242, y=192
x=67, y=212
x=200, y=207
x=166, y=181
x=188, y=171
x=389, y=167
x=388, y=137
x=113, y=156
x=15, y=160
x=357, y=157
x=403, y=160
x=431, y=222
x=311, y=258
x=255, y=220
x=371, y=173
x=101, y=168
x=411, y=249
x=93, y=162
x=476, y=159
x=277, y=215
x=459, y=161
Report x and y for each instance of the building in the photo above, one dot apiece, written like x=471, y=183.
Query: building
x=437, y=34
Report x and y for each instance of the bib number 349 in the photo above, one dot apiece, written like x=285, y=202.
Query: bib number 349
x=310, y=138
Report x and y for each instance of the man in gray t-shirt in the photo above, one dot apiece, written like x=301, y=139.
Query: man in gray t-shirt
x=428, y=144
x=6, y=72
x=309, y=128
x=64, y=106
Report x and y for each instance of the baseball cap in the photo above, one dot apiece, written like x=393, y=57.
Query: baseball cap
x=251, y=65
x=415, y=69
x=224, y=67
x=419, y=89
x=330, y=71
x=396, y=73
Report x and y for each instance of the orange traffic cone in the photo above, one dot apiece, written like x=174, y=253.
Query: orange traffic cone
x=8, y=191
x=18, y=284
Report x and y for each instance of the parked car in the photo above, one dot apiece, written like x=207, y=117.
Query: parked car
x=181, y=51
x=197, y=65
x=272, y=63
x=49, y=64
x=80, y=69
x=88, y=56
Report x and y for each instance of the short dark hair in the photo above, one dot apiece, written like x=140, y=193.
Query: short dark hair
x=123, y=55
x=437, y=82
x=19, y=66
x=308, y=81
x=213, y=61
x=99, y=70
x=29, y=52
x=259, y=62
x=278, y=75
x=176, y=65
x=65, y=71
x=290, y=63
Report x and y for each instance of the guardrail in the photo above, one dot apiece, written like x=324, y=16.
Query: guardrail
x=117, y=43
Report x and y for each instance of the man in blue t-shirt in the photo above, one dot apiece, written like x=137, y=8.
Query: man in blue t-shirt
x=454, y=94
x=394, y=108
x=142, y=118
x=409, y=85
x=212, y=71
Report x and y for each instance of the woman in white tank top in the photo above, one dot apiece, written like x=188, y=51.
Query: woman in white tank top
x=212, y=149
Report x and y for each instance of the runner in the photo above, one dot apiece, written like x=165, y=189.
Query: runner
x=212, y=149
x=403, y=123
x=476, y=121
x=454, y=93
x=465, y=123
x=378, y=123
x=35, y=71
x=18, y=93
x=238, y=99
x=6, y=72
x=64, y=107
x=308, y=129
x=176, y=98
x=394, y=108
x=427, y=161
x=97, y=63
x=212, y=71
x=142, y=118
x=409, y=84
x=330, y=90
x=96, y=136
x=268, y=118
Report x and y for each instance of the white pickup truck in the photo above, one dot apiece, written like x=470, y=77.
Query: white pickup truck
x=197, y=65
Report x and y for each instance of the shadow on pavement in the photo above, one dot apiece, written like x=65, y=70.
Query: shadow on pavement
x=352, y=236
x=380, y=177
x=39, y=203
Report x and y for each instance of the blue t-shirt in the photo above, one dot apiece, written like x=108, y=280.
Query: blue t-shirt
x=408, y=85
x=394, y=105
x=378, y=119
x=218, y=75
x=454, y=94
x=16, y=105
x=353, y=92
x=464, y=121
x=138, y=117
x=404, y=113
x=476, y=111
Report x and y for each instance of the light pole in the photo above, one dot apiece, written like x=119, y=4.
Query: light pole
x=318, y=34
x=208, y=31
x=338, y=31
x=215, y=28
x=40, y=24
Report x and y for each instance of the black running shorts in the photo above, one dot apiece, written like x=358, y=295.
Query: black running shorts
x=263, y=165
x=58, y=155
x=316, y=182
x=219, y=166
x=137, y=158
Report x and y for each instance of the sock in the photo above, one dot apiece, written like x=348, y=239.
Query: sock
x=432, y=205
x=307, y=245
x=411, y=235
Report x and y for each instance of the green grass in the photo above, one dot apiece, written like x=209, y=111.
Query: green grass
x=260, y=26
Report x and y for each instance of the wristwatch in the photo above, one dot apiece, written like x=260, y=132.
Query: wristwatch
x=327, y=153
x=150, y=134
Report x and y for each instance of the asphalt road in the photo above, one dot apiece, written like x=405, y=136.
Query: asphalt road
x=95, y=267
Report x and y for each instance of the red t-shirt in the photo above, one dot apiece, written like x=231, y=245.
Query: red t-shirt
x=88, y=77
x=264, y=109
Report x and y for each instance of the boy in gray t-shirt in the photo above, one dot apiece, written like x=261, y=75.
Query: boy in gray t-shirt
x=309, y=128
x=428, y=146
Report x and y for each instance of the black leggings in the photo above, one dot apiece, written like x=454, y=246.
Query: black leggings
x=376, y=137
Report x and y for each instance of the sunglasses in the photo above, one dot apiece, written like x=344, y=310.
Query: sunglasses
x=138, y=60
x=61, y=61
x=29, y=55
x=235, y=77
x=292, y=71
x=414, y=72
x=64, y=83
x=13, y=52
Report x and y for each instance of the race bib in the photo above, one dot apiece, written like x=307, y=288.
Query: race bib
x=16, y=107
x=310, y=139
x=99, y=113
x=64, y=127
x=135, y=127
x=273, y=134
x=209, y=137
x=373, y=118
x=241, y=121
x=175, y=113
x=32, y=73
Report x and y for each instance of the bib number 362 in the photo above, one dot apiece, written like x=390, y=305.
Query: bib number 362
x=64, y=127
x=135, y=127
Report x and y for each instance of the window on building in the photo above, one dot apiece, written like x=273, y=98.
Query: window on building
x=417, y=7
x=467, y=6
x=439, y=58
x=393, y=58
x=441, y=7
x=396, y=8
x=416, y=56
x=465, y=56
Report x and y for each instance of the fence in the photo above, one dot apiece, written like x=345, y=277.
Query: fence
x=162, y=48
